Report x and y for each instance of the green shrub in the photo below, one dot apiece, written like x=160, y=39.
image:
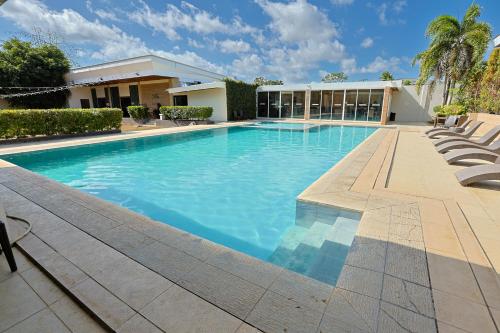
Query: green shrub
x=139, y=112
x=241, y=99
x=186, y=112
x=31, y=122
x=449, y=110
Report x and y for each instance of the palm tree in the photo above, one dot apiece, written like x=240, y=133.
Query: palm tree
x=455, y=48
x=386, y=76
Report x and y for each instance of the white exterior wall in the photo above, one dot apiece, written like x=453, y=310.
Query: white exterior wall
x=216, y=98
x=411, y=107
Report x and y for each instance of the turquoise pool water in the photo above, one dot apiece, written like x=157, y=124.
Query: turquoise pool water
x=236, y=186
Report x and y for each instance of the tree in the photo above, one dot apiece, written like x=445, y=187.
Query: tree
x=386, y=76
x=470, y=87
x=261, y=81
x=490, y=84
x=455, y=48
x=335, y=77
x=25, y=65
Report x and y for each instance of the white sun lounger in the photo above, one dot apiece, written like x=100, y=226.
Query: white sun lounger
x=479, y=173
x=470, y=154
x=448, y=123
x=483, y=142
x=474, y=125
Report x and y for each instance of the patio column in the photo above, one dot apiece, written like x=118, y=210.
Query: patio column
x=386, y=105
x=307, y=101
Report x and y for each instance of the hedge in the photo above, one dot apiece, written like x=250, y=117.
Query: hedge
x=186, y=112
x=241, y=99
x=139, y=112
x=31, y=122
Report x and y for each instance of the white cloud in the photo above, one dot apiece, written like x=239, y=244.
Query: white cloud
x=234, y=46
x=302, y=36
x=391, y=9
x=342, y=2
x=189, y=18
x=195, y=44
x=106, y=15
x=247, y=67
x=378, y=65
x=367, y=43
x=298, y=21
x=111, y=42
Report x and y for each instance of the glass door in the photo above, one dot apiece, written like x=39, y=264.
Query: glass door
x=338, y=102
x=362, y=103
x=299, y=98
x=314, y=107
x=262, y=105
x=350, y=104
x=326, y=105
x=286, y=104
x=274, y=104
x=375, y=110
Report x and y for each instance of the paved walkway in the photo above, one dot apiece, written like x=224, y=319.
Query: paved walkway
x=424, y=257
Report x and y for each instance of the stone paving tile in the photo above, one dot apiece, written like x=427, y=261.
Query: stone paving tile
x=245, y=267
x=301, y=289
x=396, y=319
x=101, y=302
x=408, y=295
x=360, y=280
x=23, y=264
x=43, y=322
x=165, y=260
x=275, y=313
x=245, y=328
x=42, y=285
x=132, y=283
x=92, y=256
x=407, y=263
x=74, y=317
x=460, y=312
x=408, y=232
x=367, y=253
x=352, y=311
x=125, y=239
x=178, y=310
x=62, y=270
x=62, y=236
x=453, y=276
x=227, y=291
x=138, y=324
x=35, y=247
x=445, y=328
x=18, y=301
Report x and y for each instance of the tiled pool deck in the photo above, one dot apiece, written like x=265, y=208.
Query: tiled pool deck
x=426, y=255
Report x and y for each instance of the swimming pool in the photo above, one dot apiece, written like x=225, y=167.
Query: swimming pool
x=236, y=186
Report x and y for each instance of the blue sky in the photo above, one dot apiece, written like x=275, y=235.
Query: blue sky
x=296, y=41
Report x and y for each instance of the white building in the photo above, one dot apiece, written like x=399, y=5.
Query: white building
x=144, y=80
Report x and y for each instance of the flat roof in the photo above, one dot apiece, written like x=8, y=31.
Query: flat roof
x=137, y=67
x=196, y=87
x=396, y=84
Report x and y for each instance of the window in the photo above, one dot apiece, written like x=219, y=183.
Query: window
x=362, y=103
x=350, y=104
x=338, y=102
x=85, y=103
x=274, y=104
x=299, y=99
x=262, y=105
x=180, y=100
x=375, y=111
x=286, y=104
x=326, y=105
x=314, y=105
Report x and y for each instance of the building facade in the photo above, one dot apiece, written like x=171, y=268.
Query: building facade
x=371, y=101
x=142, y=80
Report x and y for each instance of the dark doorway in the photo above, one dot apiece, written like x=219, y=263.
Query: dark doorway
x=125, y=102
x=102, y=102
